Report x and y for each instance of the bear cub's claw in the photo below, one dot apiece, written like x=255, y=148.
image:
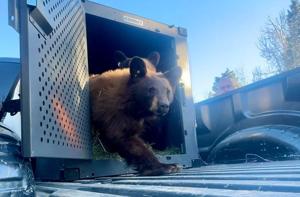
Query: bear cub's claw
x=162, y=169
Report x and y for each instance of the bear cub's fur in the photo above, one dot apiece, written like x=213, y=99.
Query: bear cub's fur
x=122, y=99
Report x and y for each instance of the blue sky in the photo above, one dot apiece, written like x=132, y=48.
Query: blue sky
x=221, y=33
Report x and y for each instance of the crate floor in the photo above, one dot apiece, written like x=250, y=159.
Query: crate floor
x=251, y=179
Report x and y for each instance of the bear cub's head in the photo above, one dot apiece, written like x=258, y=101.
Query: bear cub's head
x=151, y=92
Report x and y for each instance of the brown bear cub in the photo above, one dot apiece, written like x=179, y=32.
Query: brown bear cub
x=121, y=99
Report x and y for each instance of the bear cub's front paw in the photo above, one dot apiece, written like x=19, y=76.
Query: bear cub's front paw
x=162, y=169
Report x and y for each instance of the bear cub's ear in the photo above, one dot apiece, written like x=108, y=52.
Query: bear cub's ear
x=137, y=68
x=173, y=75
x=154, y=58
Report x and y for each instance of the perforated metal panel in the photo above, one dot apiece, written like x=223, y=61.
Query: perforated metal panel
x=55, y=96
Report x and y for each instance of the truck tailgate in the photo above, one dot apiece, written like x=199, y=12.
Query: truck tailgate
x=250, y=179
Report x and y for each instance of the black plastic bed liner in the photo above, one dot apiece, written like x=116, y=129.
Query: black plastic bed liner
x=250, y=179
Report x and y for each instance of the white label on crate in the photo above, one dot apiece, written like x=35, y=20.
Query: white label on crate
x=132, y=20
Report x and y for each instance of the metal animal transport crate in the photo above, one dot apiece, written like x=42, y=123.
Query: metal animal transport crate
x=62, y=43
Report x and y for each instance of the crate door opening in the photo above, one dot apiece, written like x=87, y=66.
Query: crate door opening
x=104, y=37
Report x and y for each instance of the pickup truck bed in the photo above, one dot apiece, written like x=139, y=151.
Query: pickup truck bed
x=250, y=179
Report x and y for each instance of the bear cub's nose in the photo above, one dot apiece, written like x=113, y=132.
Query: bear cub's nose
x=163, y=108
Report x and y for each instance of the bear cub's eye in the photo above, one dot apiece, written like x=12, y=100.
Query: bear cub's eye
x=168, y=92
x=152, y=91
